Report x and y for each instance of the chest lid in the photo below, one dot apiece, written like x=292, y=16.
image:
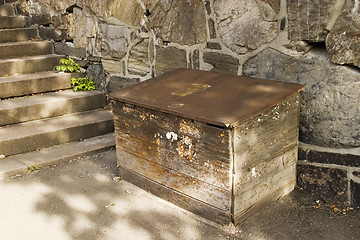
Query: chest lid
x=215, y=98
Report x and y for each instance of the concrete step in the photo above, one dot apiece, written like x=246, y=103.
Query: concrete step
x=18, y=35
x=30, y=64
x=30, y=136
x=7, y=10
x=20, y=164
x=12, y=22
x=22, y=49
x=20, y=85
x=47, y=105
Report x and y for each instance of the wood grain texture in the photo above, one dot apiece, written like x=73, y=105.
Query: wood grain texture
x=207, y=169
x=263, y=137
x=273, y=197
x=179, y=199
x=246, y=198
x=191, y=186
x=261, y=172
x=207, y=133
x=170, y=139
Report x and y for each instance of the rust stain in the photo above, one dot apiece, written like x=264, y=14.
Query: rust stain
x=186, y=128
x=143, y=116
x=185, y=149
x=127, y=109
x=222, y=137
x=158, y=137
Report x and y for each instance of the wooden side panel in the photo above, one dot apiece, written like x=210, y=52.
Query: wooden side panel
x=259, y=142
x=147, y=132
x=273, y=197
x=210, y=171
x=266, y=169
x=265, y=155
x=190, y=186
x=145, y=121
x=246, y=199
x=194, y=149
x=182, y=200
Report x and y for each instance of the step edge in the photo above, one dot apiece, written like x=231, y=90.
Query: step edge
x=107, y=117
x=25, y=104
x=105, y=142
x=36, y=99
x=32, y=142
x=6, y=44
x=29, y=76
x=26, y=58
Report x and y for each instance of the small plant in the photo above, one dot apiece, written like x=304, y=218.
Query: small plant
x=34, y=167
x=83, y=84
x=67, y=65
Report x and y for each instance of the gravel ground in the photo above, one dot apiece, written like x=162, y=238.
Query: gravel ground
x=86, y=199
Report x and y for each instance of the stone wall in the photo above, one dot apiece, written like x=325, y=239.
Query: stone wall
x=317, y=43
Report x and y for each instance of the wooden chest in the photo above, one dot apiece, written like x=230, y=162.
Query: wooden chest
x=218, y=145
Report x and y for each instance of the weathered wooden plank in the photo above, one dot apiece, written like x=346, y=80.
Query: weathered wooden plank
x=250, y=177
x=264, y=138
x=265, y=152
x=171, y=140
x=269, y=127
x=210, y=194
x=267, y=135
x=281, y=117
x=182, y=200
x=243, y=200
x=216, y=136
x=273, y=197
x=206, y=169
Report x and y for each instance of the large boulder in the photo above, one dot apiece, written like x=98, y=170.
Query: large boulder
x=311, y=20
x=169, y=58
x=241, y=25
x=180, y=22
x=343, y=41
x=330, y=113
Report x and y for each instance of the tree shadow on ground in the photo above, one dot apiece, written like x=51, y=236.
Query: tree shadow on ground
x=85, y=200
x=81, y=200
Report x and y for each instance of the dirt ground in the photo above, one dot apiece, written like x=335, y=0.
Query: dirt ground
x=86, y=199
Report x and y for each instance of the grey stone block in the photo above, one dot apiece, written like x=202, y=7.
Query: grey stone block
x=69, y=49
x=241, y=25
x=222, y=62
x=49, y=33
x=308, y=22
x=169, y=58
x=181, y=22
x=97, y=73
x=42, y=19
x=117, y=83
x=355, y=193
x=343, y=41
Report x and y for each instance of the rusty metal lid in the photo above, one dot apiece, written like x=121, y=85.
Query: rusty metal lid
x=215, y=98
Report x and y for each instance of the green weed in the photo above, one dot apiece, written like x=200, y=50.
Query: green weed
x=67, y=65
x=34, y=167
x=83, y=84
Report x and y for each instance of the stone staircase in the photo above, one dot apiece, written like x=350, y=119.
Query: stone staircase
x=42, y=121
